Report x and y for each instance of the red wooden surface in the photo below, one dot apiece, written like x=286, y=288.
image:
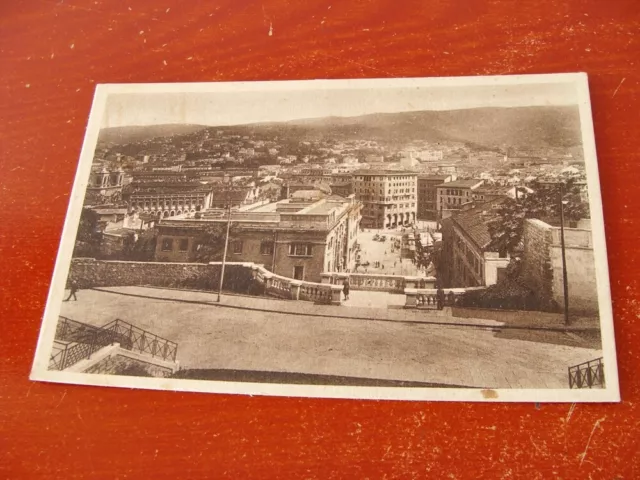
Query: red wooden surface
x=53, y=52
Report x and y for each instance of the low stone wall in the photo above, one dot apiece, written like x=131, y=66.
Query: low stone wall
x=91, y=273
x=428, y=297
x=378, y=282
x=287, y=288
x=247, y=278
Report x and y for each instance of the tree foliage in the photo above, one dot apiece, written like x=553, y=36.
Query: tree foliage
x=89, y=235
x=144, y=247
x=211, y=245
x=506, y=229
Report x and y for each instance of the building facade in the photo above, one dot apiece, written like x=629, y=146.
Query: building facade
x=297, y=238
x=542, y=265
x=467, y=260
x=428, y=195
x=452, y=195
x=168, y=199
x=105, y=186
x=389, y=198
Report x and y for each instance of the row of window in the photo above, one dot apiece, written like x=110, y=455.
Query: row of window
x=453, y=191
x=237, y=247
x=163, y=204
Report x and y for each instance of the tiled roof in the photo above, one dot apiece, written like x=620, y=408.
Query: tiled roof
x=474, y=222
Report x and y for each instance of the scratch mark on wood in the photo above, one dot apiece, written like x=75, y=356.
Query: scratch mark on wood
x=80, y=416
x=586, y=448
x=618, y=87
x=534, y=445
x=61, y=399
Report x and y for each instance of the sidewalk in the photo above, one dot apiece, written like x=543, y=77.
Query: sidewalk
x=394, y=313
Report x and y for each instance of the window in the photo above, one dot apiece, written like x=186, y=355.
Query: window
x=236, y=246
x=266, y=248
x=300, y=249
x=167, y=244
x=184, y=244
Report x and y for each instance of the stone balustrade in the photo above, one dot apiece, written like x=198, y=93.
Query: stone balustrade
x=376, y=282
x=428, y=297
x=283, y=287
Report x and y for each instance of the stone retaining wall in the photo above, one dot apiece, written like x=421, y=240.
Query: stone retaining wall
x=91, y=273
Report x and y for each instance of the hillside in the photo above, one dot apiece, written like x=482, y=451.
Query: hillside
x=521, y=126
x=136, y=133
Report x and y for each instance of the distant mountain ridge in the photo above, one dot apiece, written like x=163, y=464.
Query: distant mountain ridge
x=533, y=127
x=140, y=133
x=545, y=126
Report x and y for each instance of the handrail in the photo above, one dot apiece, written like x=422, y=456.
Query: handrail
x=587, y=374
x=84, y=340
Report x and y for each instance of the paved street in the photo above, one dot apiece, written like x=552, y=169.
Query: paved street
x=384, y=252
x=262, y=334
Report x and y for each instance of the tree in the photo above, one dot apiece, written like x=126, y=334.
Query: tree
x=144, y=248
x=506, y=229
x=89, y=235
x=211, y=246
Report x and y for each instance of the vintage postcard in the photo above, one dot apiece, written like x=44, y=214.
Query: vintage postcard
x=418, y=239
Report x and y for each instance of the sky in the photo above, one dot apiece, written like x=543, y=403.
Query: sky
x=233, y=108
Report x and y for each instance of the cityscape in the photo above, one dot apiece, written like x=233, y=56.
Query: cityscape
x=431, y=248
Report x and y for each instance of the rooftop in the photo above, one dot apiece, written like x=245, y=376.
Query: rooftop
x=384, y=172
x=475, y=221
x=441, y=178
x=462, y=183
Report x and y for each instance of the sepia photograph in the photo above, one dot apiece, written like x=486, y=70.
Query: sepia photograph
x=418, y=239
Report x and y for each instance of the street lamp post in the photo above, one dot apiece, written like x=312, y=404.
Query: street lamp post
x=224, y=256
x=565, y=282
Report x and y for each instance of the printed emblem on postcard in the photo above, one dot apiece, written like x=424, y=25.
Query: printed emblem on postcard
x=418, y=239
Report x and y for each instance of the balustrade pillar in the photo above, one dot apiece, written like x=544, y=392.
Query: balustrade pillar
x=336, y=294
x=411, y=295
x=295, y=289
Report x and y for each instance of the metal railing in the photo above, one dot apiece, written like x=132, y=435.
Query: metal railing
x=84, y=340
x=587, y=375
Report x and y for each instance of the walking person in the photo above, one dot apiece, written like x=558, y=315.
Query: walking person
x=345, y=288
x=74, y=289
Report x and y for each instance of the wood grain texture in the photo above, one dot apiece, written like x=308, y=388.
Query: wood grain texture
x=53, y=52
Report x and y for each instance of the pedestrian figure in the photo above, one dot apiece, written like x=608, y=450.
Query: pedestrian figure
x=74, y=289
x=345, y=288
x=451, y=298
x=440, y=298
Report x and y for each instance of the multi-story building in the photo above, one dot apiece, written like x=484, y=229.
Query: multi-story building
x=168, y=199
x=452, y=195
x=428, y=195
x=467, y=260
x=388, y=197
x=299, y=237
x=344, y=189
x=105, y=186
